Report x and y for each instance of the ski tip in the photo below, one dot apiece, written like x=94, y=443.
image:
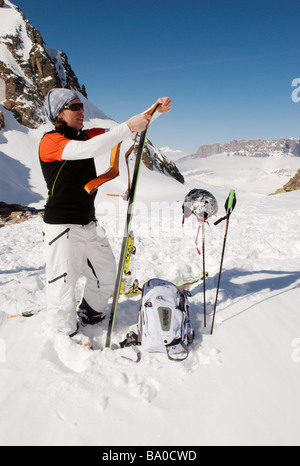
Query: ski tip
x=153, y=109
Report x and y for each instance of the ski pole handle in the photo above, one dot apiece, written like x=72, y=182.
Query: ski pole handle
x=229, y=206
x=230, y=203
x=231, y=200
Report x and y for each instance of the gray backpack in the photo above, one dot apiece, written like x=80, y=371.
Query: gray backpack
x=163, y=322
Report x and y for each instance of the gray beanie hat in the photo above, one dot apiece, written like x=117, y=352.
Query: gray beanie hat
x=56, y=100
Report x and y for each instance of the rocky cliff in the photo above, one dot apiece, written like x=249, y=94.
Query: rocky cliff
x=29, y=68
x=253, y=148
x=292, y=185
x=156, y=161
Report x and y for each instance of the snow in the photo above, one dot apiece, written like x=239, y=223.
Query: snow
x=172, y=154
x=239, y=386
x=11, y=19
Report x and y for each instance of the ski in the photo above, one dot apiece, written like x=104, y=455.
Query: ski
x=131, y=199
x=181, y=284
x=27, y=314
x=131, y=250
x=133, y=290
x=82, y=340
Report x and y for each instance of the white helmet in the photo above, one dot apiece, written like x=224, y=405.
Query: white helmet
x=201, y=203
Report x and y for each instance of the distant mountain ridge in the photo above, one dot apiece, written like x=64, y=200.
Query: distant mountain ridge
x=253, y=148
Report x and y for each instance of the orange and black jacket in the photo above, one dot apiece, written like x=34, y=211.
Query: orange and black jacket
x=68, y=202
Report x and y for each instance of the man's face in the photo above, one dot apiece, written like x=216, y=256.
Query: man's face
x=73, y=118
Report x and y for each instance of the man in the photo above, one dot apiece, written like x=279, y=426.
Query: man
x=74, y=245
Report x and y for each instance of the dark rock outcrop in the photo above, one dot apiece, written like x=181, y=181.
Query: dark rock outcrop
x=16, y=213
x=292, y=185
x=2, y=120
x=42, y=68
x=154, y=160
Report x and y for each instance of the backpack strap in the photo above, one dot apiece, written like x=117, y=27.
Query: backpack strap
x=183, y=346
x=113, y=171
x=132, y=340
x=138, y=357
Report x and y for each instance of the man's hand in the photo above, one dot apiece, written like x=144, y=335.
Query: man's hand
x=166, y=104
x=139, y=122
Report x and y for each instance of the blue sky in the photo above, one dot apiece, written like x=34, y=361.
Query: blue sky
x=228, y=65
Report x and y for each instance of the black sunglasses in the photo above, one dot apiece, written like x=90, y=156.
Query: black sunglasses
x=74, y=107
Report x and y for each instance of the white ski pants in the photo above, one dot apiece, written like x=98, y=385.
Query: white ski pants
x=72, y=250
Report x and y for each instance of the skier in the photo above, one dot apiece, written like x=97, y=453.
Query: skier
x=73, y=243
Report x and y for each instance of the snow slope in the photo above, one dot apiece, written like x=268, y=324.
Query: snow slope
x=239, y=386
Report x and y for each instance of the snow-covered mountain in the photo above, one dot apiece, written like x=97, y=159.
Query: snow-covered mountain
x=29, y=67
x=278, y=161
x=28, y=70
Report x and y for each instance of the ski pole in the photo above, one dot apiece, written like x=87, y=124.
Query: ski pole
x=202, y=220
x=229, y=206
x=204, y=273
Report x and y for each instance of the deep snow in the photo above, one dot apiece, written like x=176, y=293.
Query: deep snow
x=239, y=386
